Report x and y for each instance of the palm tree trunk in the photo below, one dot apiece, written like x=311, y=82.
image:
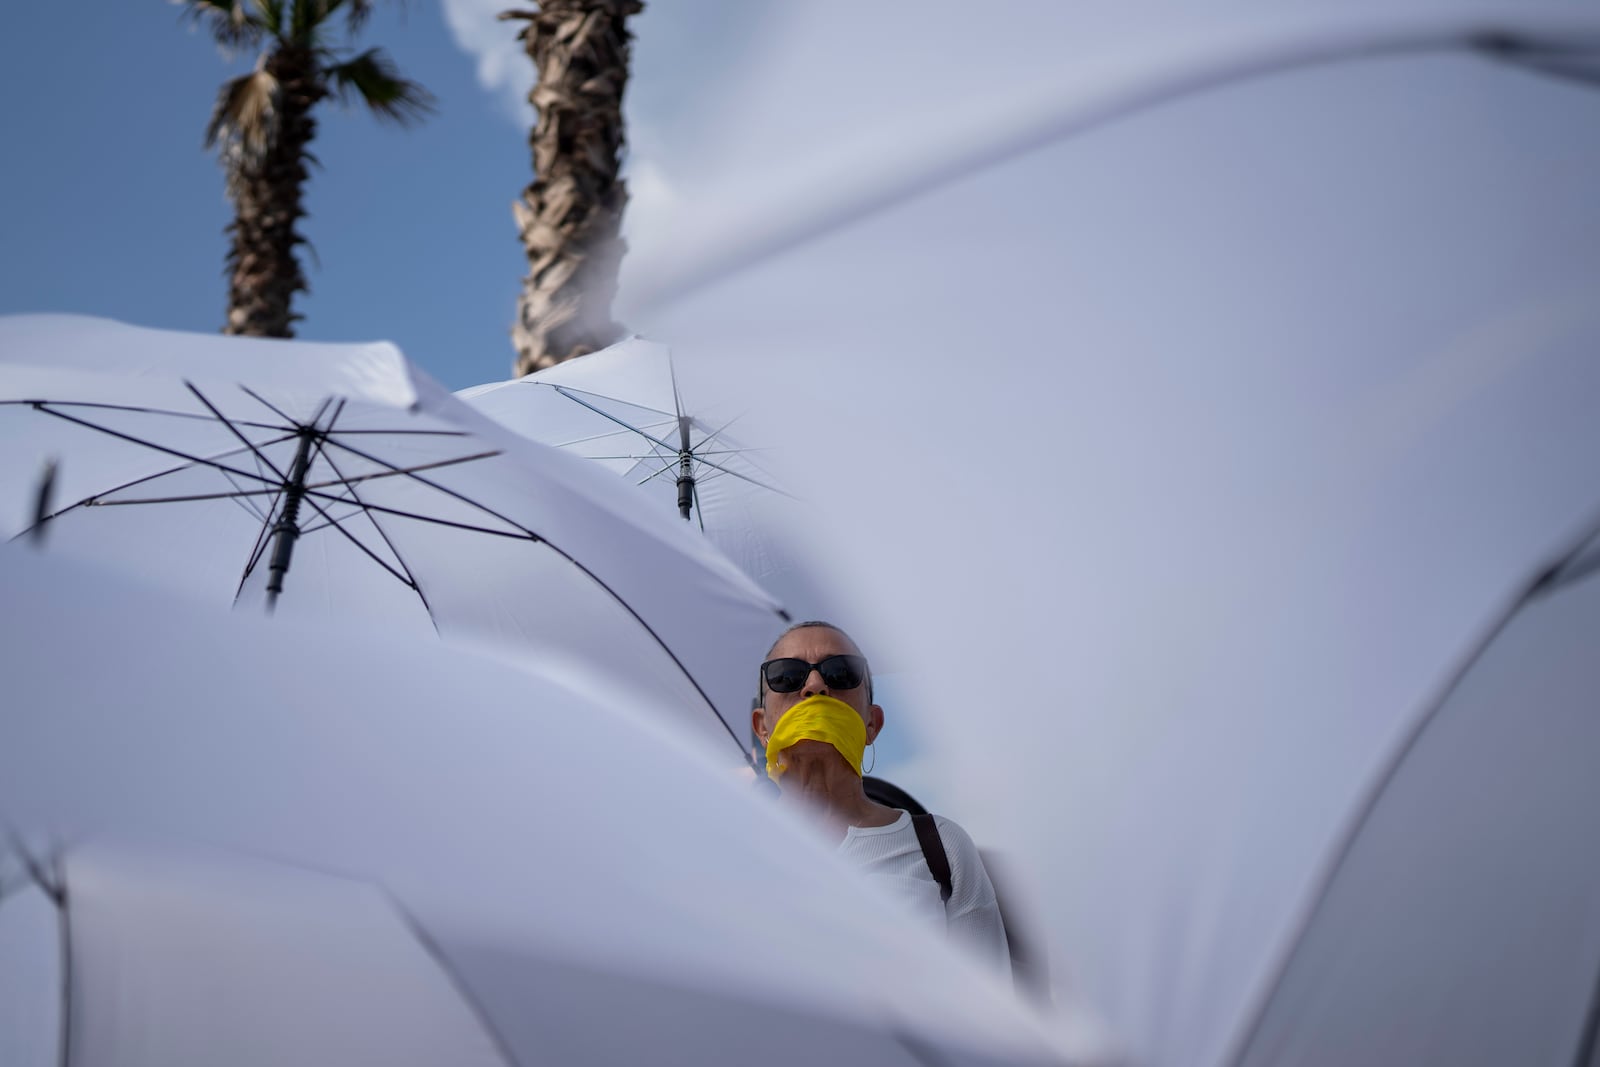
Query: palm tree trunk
x=571, y=215
x=264, y=272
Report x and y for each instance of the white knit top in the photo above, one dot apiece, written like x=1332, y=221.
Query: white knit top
x=891, y=856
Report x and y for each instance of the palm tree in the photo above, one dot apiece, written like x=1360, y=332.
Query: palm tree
x=570, y=217
x=263, y=126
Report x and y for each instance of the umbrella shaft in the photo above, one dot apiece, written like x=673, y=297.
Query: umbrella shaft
x=685, y=484
x=287, y=528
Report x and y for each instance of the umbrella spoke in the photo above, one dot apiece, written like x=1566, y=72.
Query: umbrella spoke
x=727, y=451
x=628, y=431
x=260, y=548
x=136, y=410
x=260, y=458
x=148, y=478
x=650, y=478
x=744, y=477
x=190, y=457
x=607, y=415
x=572, y=393
x=245, y=501
x=636, y=457
x=395, y=472
x=409, y=579
x=519, y=534
x=720, y=430
x=537, y=539
x=264, y=402
x=469, y=996
x=403, y=579
x=98, y=502
x=406, y=433
x=699, y=512
x=463, y=498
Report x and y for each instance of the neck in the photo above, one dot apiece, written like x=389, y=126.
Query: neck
x=838, y=798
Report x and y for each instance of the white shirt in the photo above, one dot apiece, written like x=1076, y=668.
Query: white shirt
x=892, y=857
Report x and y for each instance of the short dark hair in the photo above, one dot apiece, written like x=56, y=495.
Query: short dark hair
x=810, y=624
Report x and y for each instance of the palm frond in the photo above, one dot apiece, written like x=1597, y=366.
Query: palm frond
x=244, y=113
x=356, y=13
x=305, y=18
x=373, y=77
x=234, y=23
x=271, y=15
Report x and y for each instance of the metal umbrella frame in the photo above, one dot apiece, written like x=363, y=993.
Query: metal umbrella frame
x=668, y=442
x=392, y=488
x=436, y=898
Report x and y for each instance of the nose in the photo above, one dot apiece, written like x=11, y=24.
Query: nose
x=818, y=689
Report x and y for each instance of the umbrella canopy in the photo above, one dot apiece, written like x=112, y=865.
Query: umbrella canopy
x=412, y=866
x=1295, y=383
x=336, y=480
x=625, y=408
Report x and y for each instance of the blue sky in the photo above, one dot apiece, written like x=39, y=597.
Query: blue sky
x=113, y=208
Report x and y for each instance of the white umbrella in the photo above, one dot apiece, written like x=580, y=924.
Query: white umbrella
x=625, y=408
x=337, y=481
x=1286, y=389
x=410, y=867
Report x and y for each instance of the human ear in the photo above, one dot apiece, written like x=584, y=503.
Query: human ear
x=758, y=723
x=874, y=723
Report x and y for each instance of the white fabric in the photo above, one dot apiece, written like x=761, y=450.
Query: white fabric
x=31, y=972
x=891, y=856
x=515, y=823
x=1477, y=865
x=628, y=410
x=1221, y=431
x=182, y=959
x=563, y=567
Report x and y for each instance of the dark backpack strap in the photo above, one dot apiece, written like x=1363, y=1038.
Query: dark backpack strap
x=933, y=852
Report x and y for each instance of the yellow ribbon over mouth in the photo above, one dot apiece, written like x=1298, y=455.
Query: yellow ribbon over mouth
x=818, y=718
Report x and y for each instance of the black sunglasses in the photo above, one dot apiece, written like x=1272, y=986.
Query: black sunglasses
x=787, y=675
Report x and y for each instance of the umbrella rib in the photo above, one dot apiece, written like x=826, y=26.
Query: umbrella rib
x=720, y=430
x=657, y=474
x=410, y=578
x=242, y=498
x=204, y=462
x=407, y=433
x=677, y=400
x=693, y=681
x=713, y=436
x=434, y=465
x=258, y=550
x=572, y=393
x=259, y=399
x=463, y=498
x=138, y=481
x=657, y=637
x=136, y=410
x=519, y=534
x=235, y=431
x=628, y=432
x=463, y=990
x=1373, y=795
x=261, y=541
x=403, y=579
x=744, y=477
x=698, y=452
x=636, y=457
x=96, y=502
x=607, y=415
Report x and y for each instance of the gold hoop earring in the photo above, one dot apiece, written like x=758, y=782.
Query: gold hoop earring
x=873, y=748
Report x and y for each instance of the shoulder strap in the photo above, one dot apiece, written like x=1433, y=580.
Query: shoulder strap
x=933, y=852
